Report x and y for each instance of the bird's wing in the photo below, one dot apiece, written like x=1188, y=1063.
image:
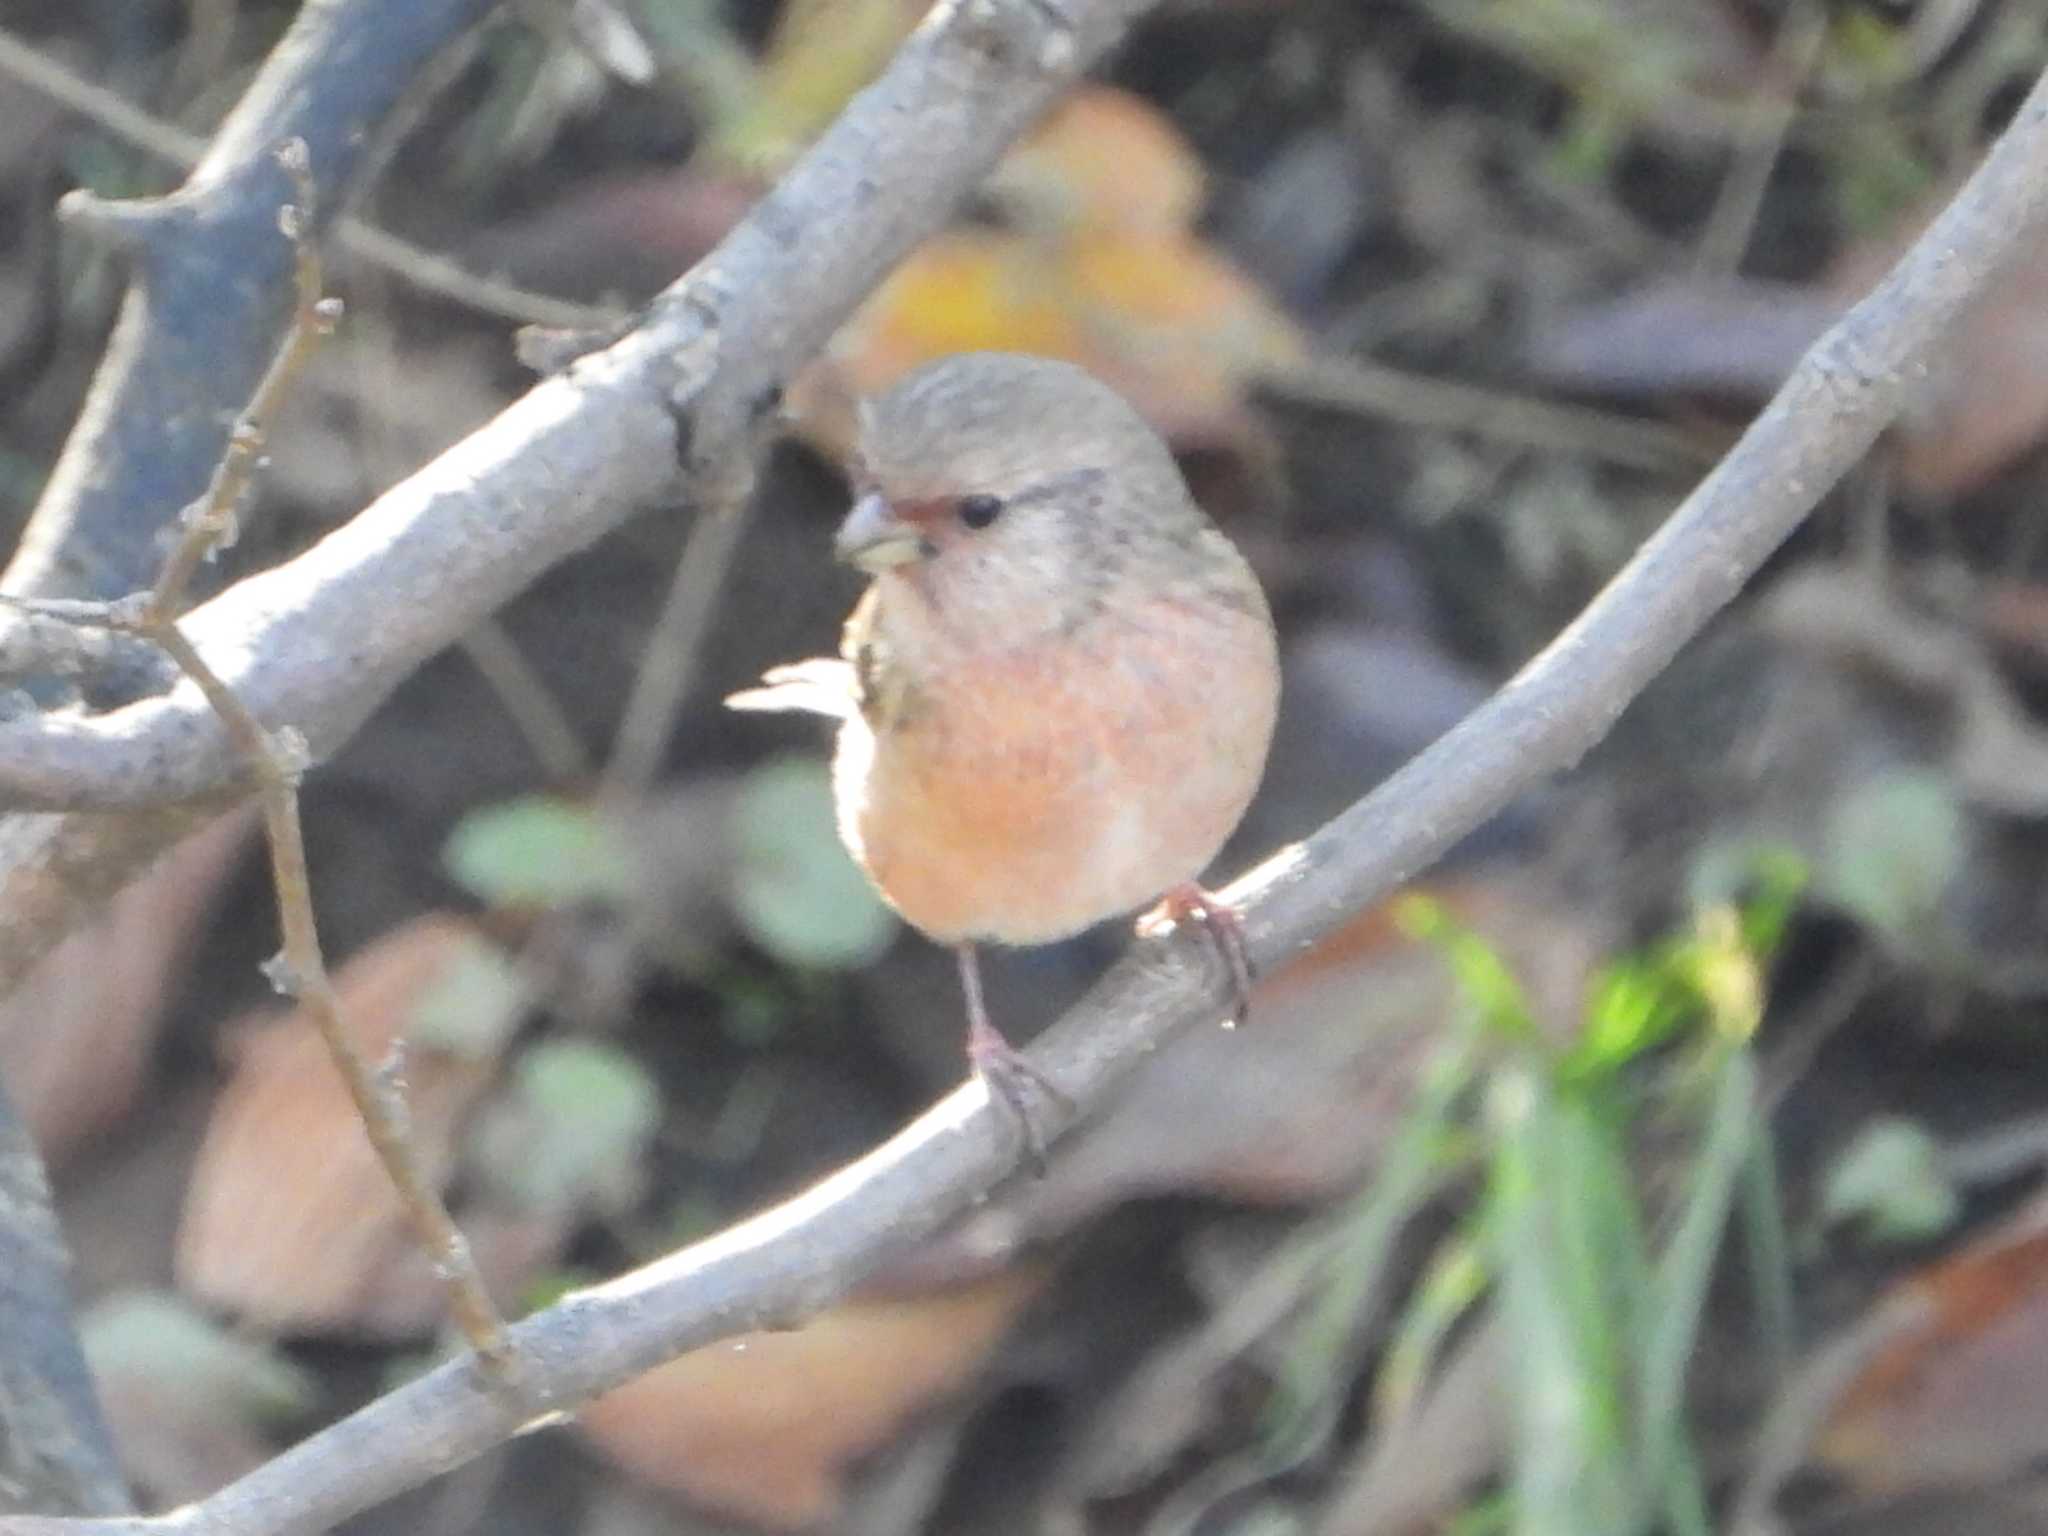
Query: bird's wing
x=821, y=686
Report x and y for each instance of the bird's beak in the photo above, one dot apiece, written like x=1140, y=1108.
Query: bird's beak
x=874, y=538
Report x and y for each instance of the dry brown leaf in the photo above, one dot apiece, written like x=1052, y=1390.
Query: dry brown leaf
x=1980, y=406
x=291, y=1222
x=1957, y=1395
x=1938, y=1385
x=76, y=1035
x=1103, y=159
x=765, y=1427
x=1168, y=322
x=1100, y=266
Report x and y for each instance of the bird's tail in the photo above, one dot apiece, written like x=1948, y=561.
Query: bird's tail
x=824, y=685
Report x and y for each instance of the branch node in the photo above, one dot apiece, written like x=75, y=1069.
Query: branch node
x=550, y=349
x=297, y=161
x=1039, y=35
x=391, y=1070
x=291, y=752
x=131, y=614
x=283, y=979
x=126, y=226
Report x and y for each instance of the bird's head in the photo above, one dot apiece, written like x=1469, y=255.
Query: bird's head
x=990, y=479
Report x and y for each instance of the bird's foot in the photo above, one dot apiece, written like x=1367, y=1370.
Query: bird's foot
x=1221, y=921
x=1023, y=1092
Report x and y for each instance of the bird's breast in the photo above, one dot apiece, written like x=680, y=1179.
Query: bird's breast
x=1033, y=793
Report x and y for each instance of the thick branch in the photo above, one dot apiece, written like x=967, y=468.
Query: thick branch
x=212, y=294
x=791, y=1260
x=213, y=291
x=319, y=642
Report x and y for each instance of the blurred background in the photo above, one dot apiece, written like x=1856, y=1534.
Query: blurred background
x=1670, y=1160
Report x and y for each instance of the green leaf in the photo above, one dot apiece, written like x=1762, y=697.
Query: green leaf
x=473, y=1006
x=540, y=852
x=795, y=890
x=1890, y=1181
x=1686, y=1266
x=1360, y=1246
x=1566, y=1244
x=157, y=1337
x=1892, y=848
x=574, y=1133
x=1484, y=979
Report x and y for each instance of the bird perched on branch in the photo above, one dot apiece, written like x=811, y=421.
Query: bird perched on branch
x=1057, y=693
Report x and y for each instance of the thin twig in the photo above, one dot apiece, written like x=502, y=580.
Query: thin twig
x=209, y=525
x=1731, y=221
x=303, y=975
x=668, y=666
x=276, y=762
x=39, y=640
x=166, y=141
x=388, y=451
x=528, y=702
x=1449, y=405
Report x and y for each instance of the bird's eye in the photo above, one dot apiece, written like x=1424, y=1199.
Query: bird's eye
x=978, y=511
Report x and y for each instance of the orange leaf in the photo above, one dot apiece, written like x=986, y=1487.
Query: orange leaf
x=1172, y=325
x=76, y=1036
x=1103, y=159
x=764, y=1426
x=290, y=1221
x=1955, y=1393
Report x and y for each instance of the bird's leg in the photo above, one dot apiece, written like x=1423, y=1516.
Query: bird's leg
x=1223, y=923
x=1008, y=1074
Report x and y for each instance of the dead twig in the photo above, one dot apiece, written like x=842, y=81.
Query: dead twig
x=1451, y=405
x=424, y=270
x=276, y=760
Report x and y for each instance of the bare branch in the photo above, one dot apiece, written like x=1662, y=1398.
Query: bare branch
x=789, y=1261
x=423, y=269
x=318, y=642
x=277, y=765
x=208, y=304
x=210, y=524
x=213, y=291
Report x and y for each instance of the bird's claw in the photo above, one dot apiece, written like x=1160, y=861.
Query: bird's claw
x=1224, y=925
x=1022, y=1091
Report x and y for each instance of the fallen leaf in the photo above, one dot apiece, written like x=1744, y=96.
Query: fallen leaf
x=1937, y=1385
x=1103, y=159
x=1981, y=404
x=1172, y=325
x=76, y=1035
x=1951, y=1391
x=765, y=1427
x=291, y=1223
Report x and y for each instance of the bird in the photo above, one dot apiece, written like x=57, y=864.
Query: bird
x=1055, y=696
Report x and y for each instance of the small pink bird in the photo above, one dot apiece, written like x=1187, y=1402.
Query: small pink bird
x=1057, y=694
